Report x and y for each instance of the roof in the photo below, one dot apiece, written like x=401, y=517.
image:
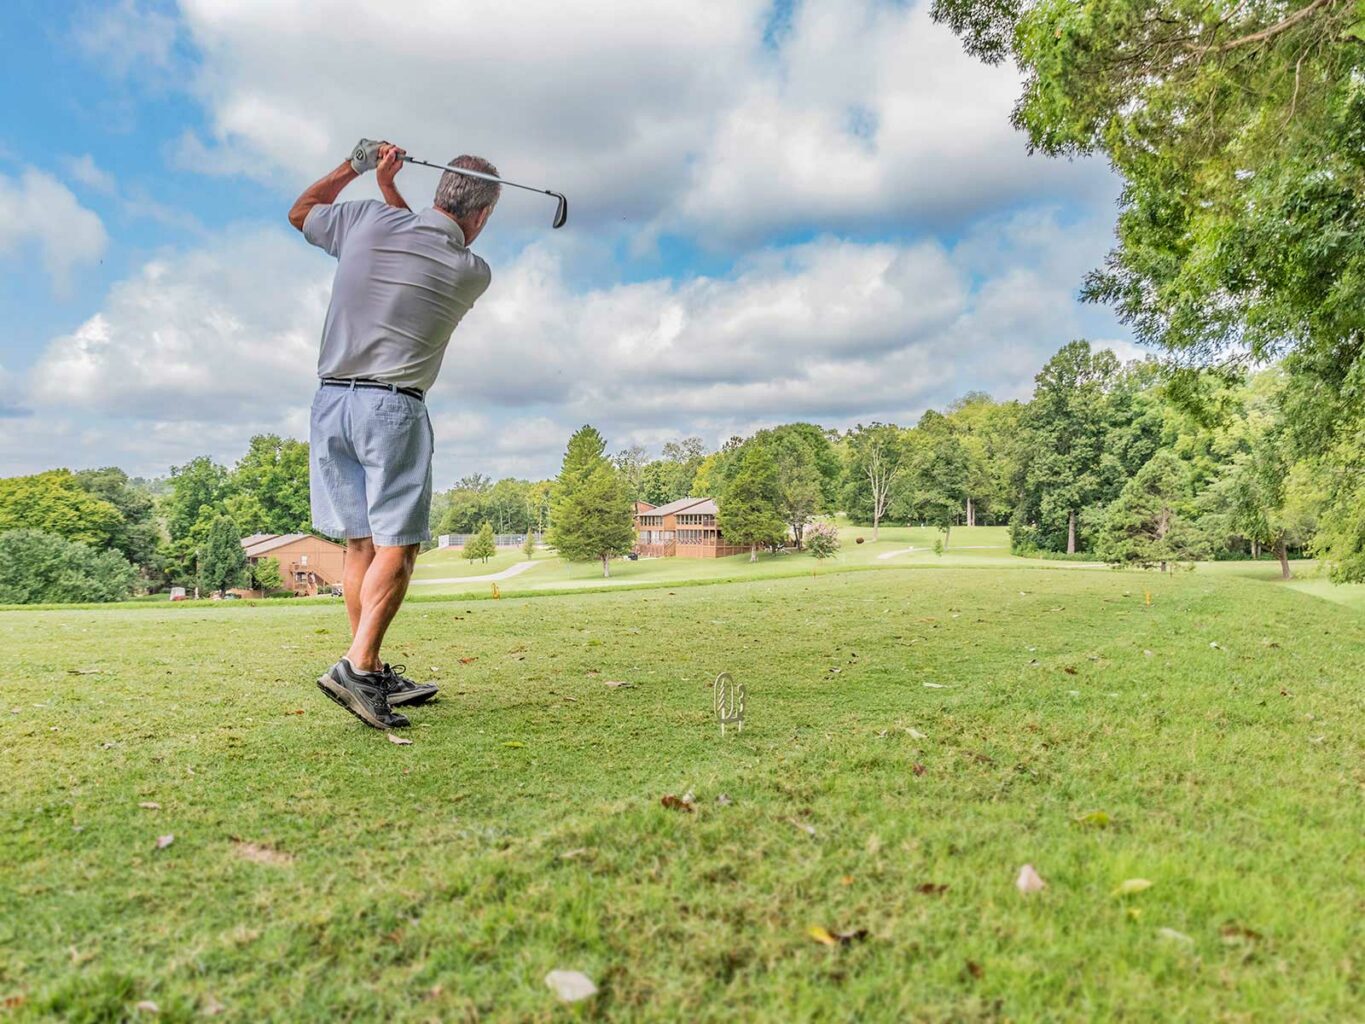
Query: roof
x=703, y=506
x=260, y=543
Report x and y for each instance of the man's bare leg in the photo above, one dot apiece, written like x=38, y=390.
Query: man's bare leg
x=359, y=555
x=381, y=595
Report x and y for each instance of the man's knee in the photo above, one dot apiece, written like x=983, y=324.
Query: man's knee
x=362, y=546
x=405, y=553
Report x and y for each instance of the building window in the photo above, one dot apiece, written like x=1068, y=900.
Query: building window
x=303, y=559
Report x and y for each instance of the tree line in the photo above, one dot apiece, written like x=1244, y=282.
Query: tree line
x=1129, y=463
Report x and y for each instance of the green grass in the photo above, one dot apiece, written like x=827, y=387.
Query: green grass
x=982, y=545
x=450, y=562
x=522, y=830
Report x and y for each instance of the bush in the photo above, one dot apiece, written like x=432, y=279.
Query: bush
x=822, y=540
x=40, y=568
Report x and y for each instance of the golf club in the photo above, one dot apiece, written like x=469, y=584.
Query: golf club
x=561, y=211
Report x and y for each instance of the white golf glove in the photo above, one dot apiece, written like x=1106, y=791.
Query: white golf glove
x=365, y=155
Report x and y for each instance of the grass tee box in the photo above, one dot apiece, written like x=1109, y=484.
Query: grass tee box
x=911, y=740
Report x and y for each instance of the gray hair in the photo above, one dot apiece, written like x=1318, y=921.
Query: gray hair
x=462, y=196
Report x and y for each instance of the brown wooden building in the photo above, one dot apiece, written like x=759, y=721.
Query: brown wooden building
x=309, y=565
x=685, y=528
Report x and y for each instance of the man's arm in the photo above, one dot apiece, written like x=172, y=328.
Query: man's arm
x=324, y=190
x=390, y=163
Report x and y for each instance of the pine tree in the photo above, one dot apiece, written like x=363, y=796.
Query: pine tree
x=482, y=544
x=748, y=507
x=591, y=511
x=1147, y=524
x=222, y=562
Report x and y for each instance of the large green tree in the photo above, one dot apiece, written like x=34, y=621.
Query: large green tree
x=748, y=508
x=1239, y=131
x=991, y=438
x=138, y=535
x=1149, y=524
x=936, y=491
x=222, y=561
x=55, y=502
x=274, y=472
x=877, y=460
x=38, y=567
x=482, y=544
x=1067, y=423
x=592, y=516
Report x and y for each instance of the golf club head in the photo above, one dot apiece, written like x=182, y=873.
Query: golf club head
x=562, y=211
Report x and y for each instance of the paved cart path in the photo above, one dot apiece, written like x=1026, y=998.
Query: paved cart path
x=492, y=577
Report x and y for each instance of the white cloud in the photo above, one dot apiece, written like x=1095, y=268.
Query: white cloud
x=85, y=171
x=214, y=334
x=203, y=347
x=126, y=38
x=37, y=209
x=666, y=115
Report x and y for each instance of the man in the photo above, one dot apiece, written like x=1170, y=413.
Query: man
x=403, y=282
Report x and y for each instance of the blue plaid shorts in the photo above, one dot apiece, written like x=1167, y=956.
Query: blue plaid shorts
x=370, y=465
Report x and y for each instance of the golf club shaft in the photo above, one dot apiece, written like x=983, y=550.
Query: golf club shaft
x=479, y=174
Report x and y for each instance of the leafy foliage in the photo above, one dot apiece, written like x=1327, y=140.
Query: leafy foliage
x=222, y=562
x=481, y=545
x=747, y=510
x=38, y=567
x=591, y=512
x=822, y=540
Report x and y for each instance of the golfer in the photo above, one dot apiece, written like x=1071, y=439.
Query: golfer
x=403, y=282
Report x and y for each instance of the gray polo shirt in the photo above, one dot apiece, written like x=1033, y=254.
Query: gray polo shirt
x=403, y=282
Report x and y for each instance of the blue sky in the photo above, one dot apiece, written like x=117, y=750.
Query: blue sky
x=781, y=210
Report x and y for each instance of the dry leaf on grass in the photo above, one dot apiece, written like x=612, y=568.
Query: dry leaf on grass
x=918, y=769
x=164, y=841
x=974, y=969
x=261, y=854
x=724, y=800
x=1174, y=936
x=467, y=661
x=147, y=1006
x=1132, y=886
x=931, y=888
x=616, y=684
x=570, y=986
x=808, y=829
x=296, y=711
x=828, y=938
x=1233, y=934
x=1029, y=881
x=150, y=805
x=677, y=803
x=399, y=740
x=83, y=671
x=573, y=854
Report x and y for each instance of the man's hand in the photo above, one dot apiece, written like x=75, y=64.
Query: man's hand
x=390, y=163
x=365, y=155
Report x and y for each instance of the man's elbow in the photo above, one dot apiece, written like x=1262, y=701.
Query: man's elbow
x=298, y=213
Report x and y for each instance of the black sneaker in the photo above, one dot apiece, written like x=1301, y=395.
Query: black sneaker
x=402, y=690
x=362, y=694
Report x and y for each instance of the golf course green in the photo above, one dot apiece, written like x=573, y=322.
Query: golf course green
x=189, y=825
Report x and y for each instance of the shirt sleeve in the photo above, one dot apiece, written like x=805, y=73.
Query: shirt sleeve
x=328, y=224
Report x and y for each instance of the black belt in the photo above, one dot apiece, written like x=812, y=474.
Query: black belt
x=365, y=382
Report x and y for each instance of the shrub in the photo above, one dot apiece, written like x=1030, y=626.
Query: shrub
x=38, y=567
x=822, y=540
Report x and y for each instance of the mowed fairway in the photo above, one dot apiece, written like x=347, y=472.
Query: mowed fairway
x=913, y=737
